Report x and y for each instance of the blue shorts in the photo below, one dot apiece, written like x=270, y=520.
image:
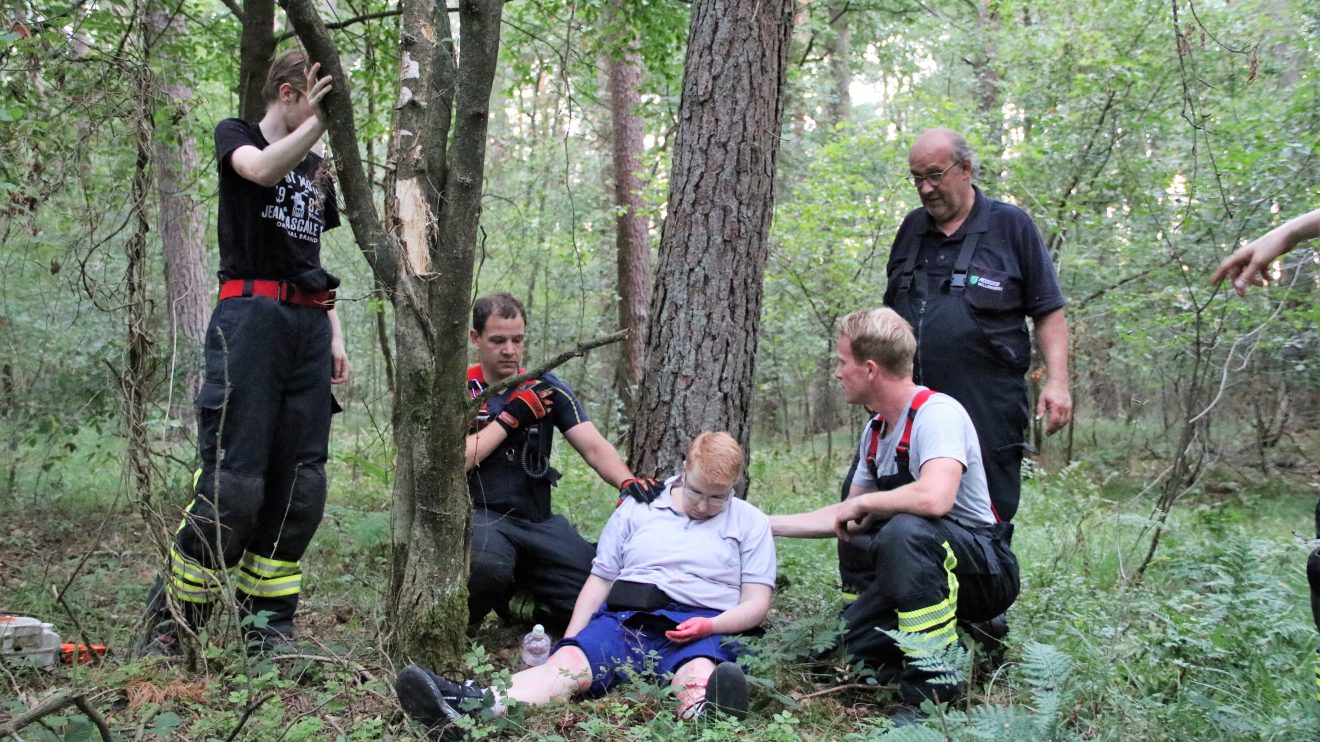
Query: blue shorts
x=619, y=644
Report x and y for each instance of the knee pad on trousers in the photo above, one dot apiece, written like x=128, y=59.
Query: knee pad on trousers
x=297, y=523
x=894, y=544
x=222, y=515
x=490, y=575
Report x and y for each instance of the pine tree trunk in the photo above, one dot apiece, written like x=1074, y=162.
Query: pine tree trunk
x=840, y=103
x=632, y=226
x=706, y=311
x=182, y=234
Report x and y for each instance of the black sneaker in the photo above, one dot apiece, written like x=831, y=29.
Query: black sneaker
x=726, y=692
x=906, y=715
x=435, y=700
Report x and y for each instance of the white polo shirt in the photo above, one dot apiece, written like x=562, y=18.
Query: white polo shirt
x=702, y=563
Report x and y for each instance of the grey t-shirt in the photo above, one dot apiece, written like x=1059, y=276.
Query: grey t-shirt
x=941, y=430
x=702, y=563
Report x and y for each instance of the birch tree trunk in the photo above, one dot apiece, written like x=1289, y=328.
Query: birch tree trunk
x=424, y=253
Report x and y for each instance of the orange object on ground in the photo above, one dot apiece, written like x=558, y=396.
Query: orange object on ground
x=82, y=652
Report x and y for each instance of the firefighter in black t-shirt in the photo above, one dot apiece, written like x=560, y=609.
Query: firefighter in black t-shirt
x=273, y=348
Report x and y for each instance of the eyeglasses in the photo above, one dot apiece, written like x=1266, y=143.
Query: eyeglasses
x=698, y=497
x=933, y=178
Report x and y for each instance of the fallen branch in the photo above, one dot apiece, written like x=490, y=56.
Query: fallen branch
x=837, y=689
x=67, y=697
x=558, y=360
x=247, y=713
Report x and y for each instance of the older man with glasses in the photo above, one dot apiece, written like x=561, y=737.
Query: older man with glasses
x=967, y=271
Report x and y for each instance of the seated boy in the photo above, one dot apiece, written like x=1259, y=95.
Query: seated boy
x=674, y=577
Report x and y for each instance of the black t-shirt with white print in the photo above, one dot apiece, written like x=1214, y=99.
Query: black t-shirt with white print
x=272, y=233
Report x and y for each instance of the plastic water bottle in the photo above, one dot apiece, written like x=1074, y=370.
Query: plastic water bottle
x=536, y=647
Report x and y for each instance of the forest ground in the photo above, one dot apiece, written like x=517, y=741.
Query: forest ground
x=1213, y=642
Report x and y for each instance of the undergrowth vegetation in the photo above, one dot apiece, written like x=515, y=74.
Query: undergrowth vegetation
x=1213, y=642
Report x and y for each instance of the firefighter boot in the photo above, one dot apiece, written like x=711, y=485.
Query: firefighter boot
x=989, y=639
x=162, y=634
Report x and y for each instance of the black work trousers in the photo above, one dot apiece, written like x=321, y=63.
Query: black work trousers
x=549, y=559
x=263, y=430
x=928, y=574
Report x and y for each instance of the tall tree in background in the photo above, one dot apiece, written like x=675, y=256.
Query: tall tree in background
x=425, y=257
x=632, y=225
x=840, y=63
x=706, y=310
x=827, y=406
x=182, y=217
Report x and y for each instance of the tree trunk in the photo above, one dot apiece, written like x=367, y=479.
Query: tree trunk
x=632, y=226
x=987, y=82
x=706, y=310
x=426, y=258
x=827, y=409
x=256, y=52
x=840, y=103
x=182, y=234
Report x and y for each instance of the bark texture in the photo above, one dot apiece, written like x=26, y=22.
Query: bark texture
x=706, y=310
x=984, y=65
x=424, y=254
x=256, y=52
x=632, y=225
x=183, y=244
x=840, y=103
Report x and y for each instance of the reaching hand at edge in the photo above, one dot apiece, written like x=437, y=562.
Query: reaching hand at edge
x=1249, y=265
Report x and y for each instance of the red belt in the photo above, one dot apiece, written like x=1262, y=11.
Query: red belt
x=281, y=291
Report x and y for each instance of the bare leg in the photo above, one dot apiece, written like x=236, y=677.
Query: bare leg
x=689, y=685
x=564, y=673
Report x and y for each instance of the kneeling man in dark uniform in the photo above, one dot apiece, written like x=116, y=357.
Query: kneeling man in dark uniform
x=517, y=542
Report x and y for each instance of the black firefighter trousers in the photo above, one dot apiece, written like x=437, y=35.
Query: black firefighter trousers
x=928, y=574
x=263, y=431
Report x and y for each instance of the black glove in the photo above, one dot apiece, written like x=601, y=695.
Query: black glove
x=527, y=405
x=641, y=489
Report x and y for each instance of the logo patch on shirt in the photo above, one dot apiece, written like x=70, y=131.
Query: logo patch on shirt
x=985, y=283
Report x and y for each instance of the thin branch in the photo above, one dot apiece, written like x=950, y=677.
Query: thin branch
x=1246, y=357
x=81, y=702
x=247, y=714
x=67, y=697
x=77, y=625
x=837, y=689
x=234, y=8
x=555, y=362
x=347, y=21
x=1106, y=289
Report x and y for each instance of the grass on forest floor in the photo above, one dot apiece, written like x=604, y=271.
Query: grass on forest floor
x=1213, y=643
